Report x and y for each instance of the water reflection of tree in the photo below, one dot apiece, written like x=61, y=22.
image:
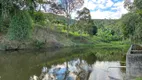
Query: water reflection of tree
x=91, y=55
x=72, y=70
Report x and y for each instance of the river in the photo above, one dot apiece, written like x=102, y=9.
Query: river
x=69, y=63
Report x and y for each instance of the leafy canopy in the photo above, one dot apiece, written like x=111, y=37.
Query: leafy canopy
x=132, y=22
x=20, y=26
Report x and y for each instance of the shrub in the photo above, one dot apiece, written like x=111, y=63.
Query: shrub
x=38, y=44
x=20, y=26
x=39, y=18
x=4, y=24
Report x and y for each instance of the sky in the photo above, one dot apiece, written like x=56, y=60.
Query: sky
x=105, y=9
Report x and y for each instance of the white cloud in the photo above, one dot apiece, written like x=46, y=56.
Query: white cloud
x=104, y=15
x=109, y=3
x=120, y=7
x=104, y=4
x=100, y=1
x=116, y=10
x=91, y=5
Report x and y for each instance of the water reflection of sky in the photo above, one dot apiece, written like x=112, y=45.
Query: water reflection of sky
x=101, y=71
x=81, y=70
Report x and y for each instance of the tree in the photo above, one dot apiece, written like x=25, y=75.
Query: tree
x=128, y=4
x=85, y=22
x=131, y=26
x=134, y=6
x=38, y=17
x=20, y=26
x=65, y=7
x=14, y=15
x=9, y=8
x=137, y=4
x=84, y=14
x=131, y=22
x=83, y=19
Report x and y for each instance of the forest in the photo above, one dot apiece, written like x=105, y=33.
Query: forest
x=28, y=24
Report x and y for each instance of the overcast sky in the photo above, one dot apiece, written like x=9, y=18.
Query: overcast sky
x=105, y=9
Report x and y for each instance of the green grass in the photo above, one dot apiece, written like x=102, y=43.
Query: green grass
x=110, y=44
x=139, y=78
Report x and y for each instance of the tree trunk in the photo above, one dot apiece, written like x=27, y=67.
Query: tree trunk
x=68, y=24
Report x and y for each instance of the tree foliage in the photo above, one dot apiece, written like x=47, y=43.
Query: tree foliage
x=20, y=26
x=137, y=4
x=131, y=22
x=65, y=7
x=93, y=30
x=38, y=17
x=10, y=7
x=128, y=4
x=85, y=22
x=84, y=15
x=104, y=35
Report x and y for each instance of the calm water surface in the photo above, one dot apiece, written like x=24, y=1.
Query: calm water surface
x=60, y=64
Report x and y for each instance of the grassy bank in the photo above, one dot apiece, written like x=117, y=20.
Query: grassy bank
x=49, y=30
x=42, y=38
x=138, y=78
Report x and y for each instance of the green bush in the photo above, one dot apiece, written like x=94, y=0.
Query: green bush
x=39, y=18
x=38, y=44
x=131, y=27
x=20, y=26
x=106, y=35
x=4, y=24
